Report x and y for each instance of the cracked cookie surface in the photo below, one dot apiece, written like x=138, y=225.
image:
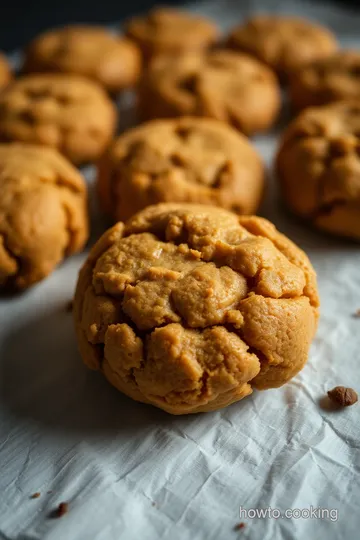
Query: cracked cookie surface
x=91, y=51
x=43, y=213
x=327, y=80
x=66, y=112
x=170, y=31
x=186, y=160
x=318, y=166
x=228, y=86
x=190, y=307
x=283, y=43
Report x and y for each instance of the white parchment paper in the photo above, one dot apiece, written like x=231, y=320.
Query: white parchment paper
x=130, y=471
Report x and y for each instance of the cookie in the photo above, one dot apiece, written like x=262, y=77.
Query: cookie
x=283, y=43
x=43, y=213
x=190, y=307
x=225, y=85
x=5, y=72
x=332, y=79
x=67, y=112
x=185, y=160
x=91, y=51
x=319, y=167
x=170, y=31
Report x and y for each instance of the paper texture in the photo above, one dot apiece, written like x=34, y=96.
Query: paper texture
x=130, y=471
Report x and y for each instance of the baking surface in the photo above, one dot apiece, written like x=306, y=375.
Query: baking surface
x=131, y=471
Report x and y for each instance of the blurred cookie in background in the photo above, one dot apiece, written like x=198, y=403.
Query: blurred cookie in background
x=171, y=31
x=318, y=165
x=186, y=160
x=225, y=85
x=43, y=213
x=283, y=43
x=5, y=72
x=331, y=79
x=92, y=51
x=66, y=112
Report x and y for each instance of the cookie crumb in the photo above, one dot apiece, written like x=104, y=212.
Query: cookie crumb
x=69, y=306
x=343, y=396
x=35, y=495
x=50, y=491
x=240, y=526
x=61, y=510
x=356, y=315
x=153, y=503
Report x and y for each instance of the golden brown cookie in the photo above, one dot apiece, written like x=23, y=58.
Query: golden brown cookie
x=190, y=307
x=5, y=72
x=332, y=79
x=283, y=43
x=91, y=51
x=67, y=112
x=319, y=167
x=43, y=213
x=225, y=85
x=182, y=160
x=170, y=31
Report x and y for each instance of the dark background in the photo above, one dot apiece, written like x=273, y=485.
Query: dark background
x=21, y=20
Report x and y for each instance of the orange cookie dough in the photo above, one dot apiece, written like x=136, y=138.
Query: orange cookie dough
x=283, y=43
x=190, y=307
x=318, y=166
x=170, y=31
x=91, y=51
x=43, y=213
x=66, y=112
x=323, y=81
x=5, y=72
x=225, y=85
x=182, y=160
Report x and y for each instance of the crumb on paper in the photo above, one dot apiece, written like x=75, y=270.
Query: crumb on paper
x=61, y=510
x=153, y=503
x=343, y=396
x=50, y=491
x=357, y=314
x=240, y=526
x=69, y=306
x=35, y=495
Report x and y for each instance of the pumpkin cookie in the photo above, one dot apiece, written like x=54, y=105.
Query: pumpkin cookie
x=67, y=112
x=283, y=43
x=319, y=167
x=190, y=307
x=225, y=85
x=92, y=51
x=185, y=160
x=43, y=213
x=5, y=72
x=170, y=31
x=324, y=81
